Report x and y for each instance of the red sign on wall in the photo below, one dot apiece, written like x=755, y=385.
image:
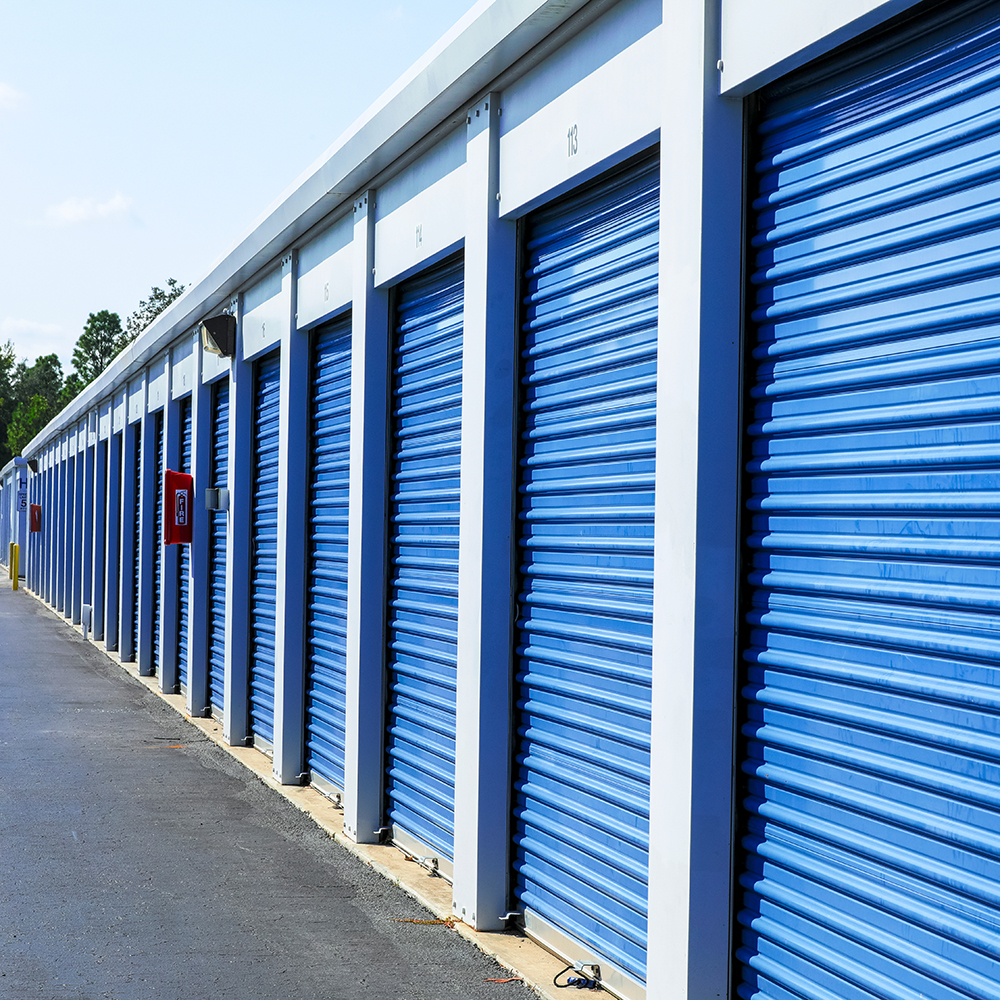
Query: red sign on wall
x=35, y=517
x=178, y=493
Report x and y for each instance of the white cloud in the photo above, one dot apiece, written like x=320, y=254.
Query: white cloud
x=74, y=210
x=10, y=97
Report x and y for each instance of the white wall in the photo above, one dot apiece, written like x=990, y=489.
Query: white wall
x=764, y=39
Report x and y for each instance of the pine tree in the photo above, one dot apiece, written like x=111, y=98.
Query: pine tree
x=149, y=309
x=100, y=343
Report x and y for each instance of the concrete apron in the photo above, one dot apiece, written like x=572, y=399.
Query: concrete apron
x=525, y=959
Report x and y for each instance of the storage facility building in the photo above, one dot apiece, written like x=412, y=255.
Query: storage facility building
x=603, y=493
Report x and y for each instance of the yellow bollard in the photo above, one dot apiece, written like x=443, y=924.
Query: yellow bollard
x=10, y=559
x=14, y=560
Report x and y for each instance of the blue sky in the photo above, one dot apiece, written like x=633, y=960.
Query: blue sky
x=138, y=141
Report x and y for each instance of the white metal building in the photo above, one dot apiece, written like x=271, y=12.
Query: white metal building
x=725, y=268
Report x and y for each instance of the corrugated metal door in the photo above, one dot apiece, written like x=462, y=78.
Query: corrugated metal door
x=870, y=711
x=184, y=557
x=264, y=572
x=217, y=551
x=61, y=550
x=157, y=539
x=585, y=545
x=423, y=559
x=117, y=573
x=136, y=542
x=100, y=553
x=326, y=614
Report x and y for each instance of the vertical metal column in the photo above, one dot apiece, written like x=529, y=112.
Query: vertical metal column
x=489, y=373
x=235, y=725
x=201, y=526
x=366, y=555
x=293, y=462
x=697, y=470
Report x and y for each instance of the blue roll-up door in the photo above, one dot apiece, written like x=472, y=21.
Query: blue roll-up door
x=217, y=551
x=264, y=571
x=100, y=553
x=117, y=573
x=870, y=711
x=326, y=614
x=157, y=539
x=136, y=540
x=423, y=558
x=58, y=600
x=585, y=548
x=184, y=558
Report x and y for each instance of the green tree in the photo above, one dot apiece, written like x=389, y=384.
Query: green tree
x=100, y=343
x=30, y=416
x=72, y=388
x=36, y=391
x=149, y=309
x=44, y=378
x=8, y=400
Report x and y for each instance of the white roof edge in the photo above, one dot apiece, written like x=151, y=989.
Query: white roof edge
x=471, y=55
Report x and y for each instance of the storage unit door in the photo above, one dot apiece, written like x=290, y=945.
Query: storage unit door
x=49, y=527
x=69, y=525
x=157, y=539
x=217, y=551
x=585, y=548
x=264, y=573
x=870, y=712
x=136, y=541
x=62, y=552
x=100, y=553
x=117, y=570
x=423, y=559
x=326, y=614
x=184, y=559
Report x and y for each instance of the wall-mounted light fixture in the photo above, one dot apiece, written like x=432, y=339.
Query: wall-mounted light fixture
x=218, y=335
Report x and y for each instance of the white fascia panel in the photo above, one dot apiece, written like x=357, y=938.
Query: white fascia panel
x=325, y=273
x=136, y=398
x=70, y=447
x=265, y=315
x=422, y=231
x=597, y=97
x=213, y=366
x=158, y=384
x=119, y=411
x=92, y=428
x=104, y=420
x=182, y=370
x=416, y=221
x=764, y=39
